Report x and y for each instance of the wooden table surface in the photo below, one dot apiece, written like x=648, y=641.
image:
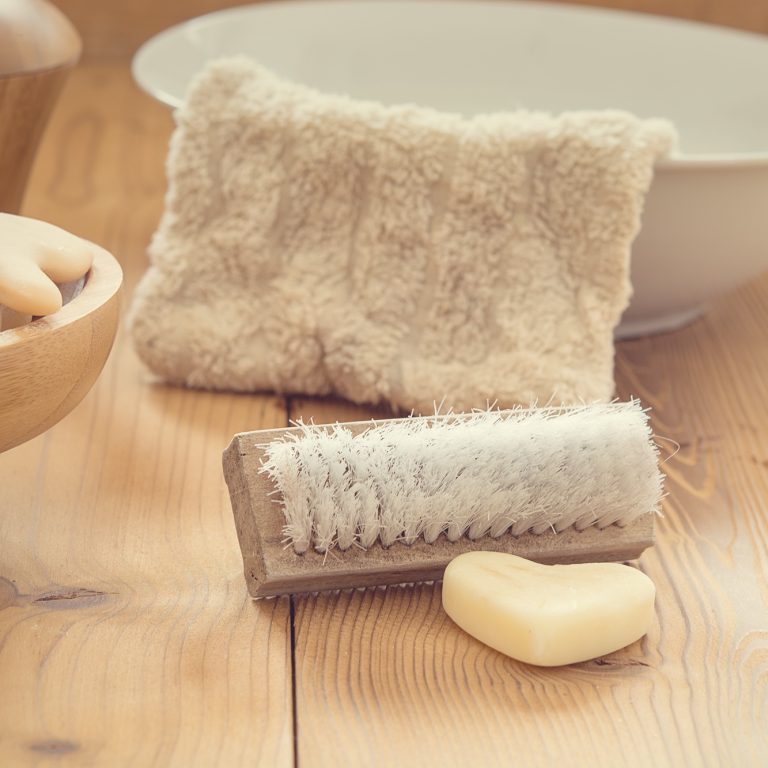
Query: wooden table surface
x=127, y=638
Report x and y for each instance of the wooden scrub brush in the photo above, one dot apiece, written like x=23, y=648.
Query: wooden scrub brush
x=386, y=502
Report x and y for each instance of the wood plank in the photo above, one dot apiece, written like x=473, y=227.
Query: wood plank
x=387, y=674
x=126, y=633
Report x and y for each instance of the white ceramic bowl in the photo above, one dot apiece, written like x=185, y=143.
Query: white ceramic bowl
x=705, y=225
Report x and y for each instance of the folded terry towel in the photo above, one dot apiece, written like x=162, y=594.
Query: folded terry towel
x=315, y=244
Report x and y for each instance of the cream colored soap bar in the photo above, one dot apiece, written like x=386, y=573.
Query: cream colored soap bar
x=547, y=614
x=34, y=256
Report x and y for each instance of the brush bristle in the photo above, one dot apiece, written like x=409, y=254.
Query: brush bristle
x=488, y=473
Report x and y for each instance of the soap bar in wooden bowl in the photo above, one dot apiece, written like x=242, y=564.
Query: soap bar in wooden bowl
x=48, y=365
x=35, y=258
x=547, y=615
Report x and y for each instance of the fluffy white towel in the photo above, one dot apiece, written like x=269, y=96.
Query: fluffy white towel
x=315, y=244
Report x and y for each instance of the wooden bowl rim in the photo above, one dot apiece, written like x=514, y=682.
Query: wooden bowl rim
x=102, y=282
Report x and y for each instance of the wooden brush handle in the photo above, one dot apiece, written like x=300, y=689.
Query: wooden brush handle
x=273, y=568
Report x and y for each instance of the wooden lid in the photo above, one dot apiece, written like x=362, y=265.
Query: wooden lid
x=35, y=36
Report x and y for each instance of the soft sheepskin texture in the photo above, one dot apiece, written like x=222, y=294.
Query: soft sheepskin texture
x=316, y=244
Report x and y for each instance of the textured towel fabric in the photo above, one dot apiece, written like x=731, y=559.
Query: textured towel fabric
x=316, y=244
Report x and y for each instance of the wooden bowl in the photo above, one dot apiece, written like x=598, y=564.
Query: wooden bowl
x=47, y=366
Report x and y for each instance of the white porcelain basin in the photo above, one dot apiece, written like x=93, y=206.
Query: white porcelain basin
x=705, y=225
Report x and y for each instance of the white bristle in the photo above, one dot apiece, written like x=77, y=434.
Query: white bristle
x=482, y=474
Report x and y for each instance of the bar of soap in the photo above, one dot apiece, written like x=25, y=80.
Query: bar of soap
x=34, y=256
x=547, y=615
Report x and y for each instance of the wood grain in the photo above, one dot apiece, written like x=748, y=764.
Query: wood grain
x=126, y=632
x=386, y=673
x=47, y=366
x=26, y=102
x=126, y=636
x=38, y=46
